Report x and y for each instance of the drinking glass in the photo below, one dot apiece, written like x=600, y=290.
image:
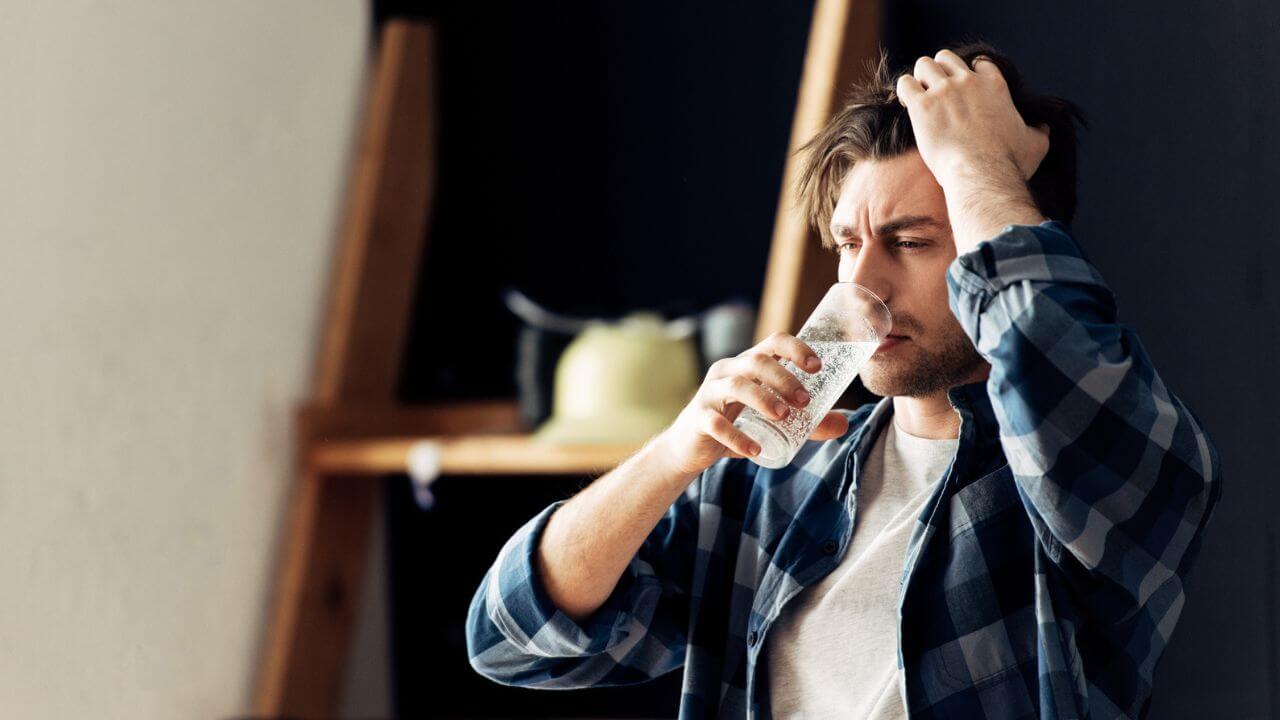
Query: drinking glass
x=844, y=330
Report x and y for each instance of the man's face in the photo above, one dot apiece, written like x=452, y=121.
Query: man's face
x=906, y=267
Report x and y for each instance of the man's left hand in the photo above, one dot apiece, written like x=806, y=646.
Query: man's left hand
x=975, y=143
x=964, y=120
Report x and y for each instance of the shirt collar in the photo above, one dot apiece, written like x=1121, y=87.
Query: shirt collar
x=972, y=399
x=979, y=430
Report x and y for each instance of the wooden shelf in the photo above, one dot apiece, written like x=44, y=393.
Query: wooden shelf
x=472, y=438
x=467, y=455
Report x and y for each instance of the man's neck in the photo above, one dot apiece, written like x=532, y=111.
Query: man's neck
x=931, y=416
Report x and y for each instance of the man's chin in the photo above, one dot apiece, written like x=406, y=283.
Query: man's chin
x=889, y=375
x=918, y=376
x=880, y=380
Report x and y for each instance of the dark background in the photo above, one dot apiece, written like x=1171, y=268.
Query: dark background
x=609, y=156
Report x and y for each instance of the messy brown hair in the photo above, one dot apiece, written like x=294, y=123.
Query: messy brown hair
x=873, y=125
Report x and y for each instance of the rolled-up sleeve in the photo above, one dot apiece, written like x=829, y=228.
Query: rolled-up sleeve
x=1111, y=465
x=517, y=636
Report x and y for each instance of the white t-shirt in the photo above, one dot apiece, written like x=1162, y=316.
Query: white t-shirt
x=833, y=651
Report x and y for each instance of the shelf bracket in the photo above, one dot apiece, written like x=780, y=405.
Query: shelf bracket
x=424, y=468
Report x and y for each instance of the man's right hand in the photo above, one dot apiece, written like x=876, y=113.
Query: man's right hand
x=704, y=433
x=589, y=541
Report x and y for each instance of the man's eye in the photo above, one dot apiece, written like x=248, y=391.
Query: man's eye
x=904, y=244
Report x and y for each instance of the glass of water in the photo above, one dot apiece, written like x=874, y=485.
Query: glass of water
x=844, y=330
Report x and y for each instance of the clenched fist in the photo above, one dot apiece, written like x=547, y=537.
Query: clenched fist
x=965, y=121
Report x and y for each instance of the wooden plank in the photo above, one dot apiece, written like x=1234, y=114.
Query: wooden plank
x=494, y=455
x=318, y=587
x=843, y=35
x=383, y=240
x=323, y=551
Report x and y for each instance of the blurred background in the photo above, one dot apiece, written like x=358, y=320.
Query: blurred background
x=181, y=188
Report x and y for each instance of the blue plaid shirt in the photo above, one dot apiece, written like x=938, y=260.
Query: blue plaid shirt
x=1043, y=577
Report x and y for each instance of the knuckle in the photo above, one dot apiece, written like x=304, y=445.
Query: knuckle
x=765, y=397
x=705, y=397
x=791, y=385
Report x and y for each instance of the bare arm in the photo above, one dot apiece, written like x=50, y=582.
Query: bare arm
x=589, y=540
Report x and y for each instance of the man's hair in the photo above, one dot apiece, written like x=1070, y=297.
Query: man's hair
x=874, y=125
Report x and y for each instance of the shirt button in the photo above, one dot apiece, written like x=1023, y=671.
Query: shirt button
x=752, y=638
x=829, y=547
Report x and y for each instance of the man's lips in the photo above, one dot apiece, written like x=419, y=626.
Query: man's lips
x=891, y=341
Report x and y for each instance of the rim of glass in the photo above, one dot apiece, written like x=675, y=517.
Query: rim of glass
x=878, y=302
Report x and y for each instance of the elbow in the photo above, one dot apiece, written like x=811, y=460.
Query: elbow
x=488, y=650
x=494, y=655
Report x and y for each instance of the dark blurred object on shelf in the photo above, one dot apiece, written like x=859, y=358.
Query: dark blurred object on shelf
x=544, y=335
x=726, y=330
x=622, y=382
x=720, y=331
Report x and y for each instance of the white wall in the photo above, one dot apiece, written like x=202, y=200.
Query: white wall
x=171, y=180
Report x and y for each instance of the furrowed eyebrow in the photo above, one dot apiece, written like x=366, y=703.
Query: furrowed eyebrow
x=896, y=225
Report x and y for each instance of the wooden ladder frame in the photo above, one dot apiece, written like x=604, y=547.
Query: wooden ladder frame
x=352, y=431
x=322, y=557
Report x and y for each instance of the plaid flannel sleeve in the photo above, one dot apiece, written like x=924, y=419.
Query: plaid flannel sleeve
x=517, y=636
x=1112, y=467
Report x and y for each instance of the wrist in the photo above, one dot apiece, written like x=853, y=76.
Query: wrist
x=985, y=173
x=659, y=460
x=981, y=201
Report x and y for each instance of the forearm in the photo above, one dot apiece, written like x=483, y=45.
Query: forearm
x=982, y=198
x=589, y=541
x=1076, y=396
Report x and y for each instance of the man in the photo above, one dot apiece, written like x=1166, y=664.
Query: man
x=1005, y=534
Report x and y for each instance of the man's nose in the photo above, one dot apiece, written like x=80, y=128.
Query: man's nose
x=871, y=271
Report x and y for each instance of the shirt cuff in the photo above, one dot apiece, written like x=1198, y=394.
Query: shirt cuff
x=521, y=608
x=1037, y=253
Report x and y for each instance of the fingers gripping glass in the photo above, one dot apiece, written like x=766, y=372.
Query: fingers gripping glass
x=844, y=330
